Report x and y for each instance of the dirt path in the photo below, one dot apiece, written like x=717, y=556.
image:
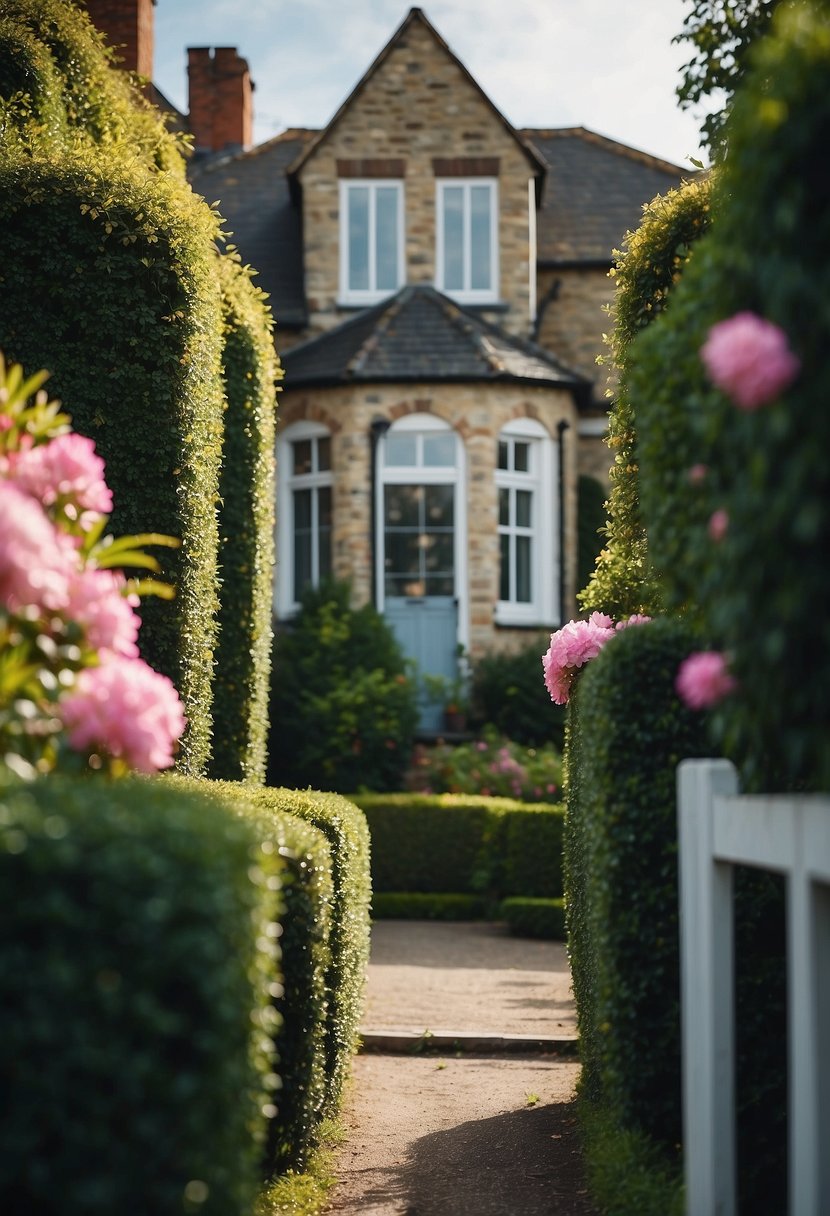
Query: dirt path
x=458, y=1132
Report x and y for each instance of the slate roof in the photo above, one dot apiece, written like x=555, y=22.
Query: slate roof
x=594, y=193
x=420, y=334
x=253, y=193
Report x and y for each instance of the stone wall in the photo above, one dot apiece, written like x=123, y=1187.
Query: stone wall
x=477, y=413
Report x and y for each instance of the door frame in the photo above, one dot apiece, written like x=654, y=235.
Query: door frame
x=455, y=475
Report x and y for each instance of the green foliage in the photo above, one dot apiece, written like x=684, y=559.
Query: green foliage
x=463, y=844
x=626, y=1174
x=627, y=733
x=59, y=91
x=756, y=593
x=343, y=709
x=590, y=514
x=302, y=856
x=722, y=36
x=647, y=270
x=344, y=827
x=420, y=905
x=109, y=280
x=135, y=951
x=246, y=531
x=509, y=693
x=534, y=917
x=491, y=765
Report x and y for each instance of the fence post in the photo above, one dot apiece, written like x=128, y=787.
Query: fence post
x=707, y=1002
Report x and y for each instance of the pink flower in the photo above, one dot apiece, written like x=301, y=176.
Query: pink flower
x=570, y=648
x=703, y=680
x=749, y=358
x=126, y=710
x=67, y=471
x=636, y=618
x=718, y=524
x=97, y=603
x=35, y=564
x=697, y=473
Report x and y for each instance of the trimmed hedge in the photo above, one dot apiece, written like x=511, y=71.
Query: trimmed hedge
x=134, y=951
x=303, y=858
x=109, y=280
x=344, y=827
x=759, y=592
x=246, y=531
x=417, y=905
x=621, y=873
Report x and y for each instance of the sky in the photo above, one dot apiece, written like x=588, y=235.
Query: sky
x=608, y=65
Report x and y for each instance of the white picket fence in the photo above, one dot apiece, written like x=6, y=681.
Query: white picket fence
x=719, y=829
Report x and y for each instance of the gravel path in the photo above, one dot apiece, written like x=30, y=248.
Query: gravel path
x=453, y=1132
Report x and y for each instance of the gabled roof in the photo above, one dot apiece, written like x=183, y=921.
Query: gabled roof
x=420, y=334
x=595, y=192
x=417, y=14
x=254, y=199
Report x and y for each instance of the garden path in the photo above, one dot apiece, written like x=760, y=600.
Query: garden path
x=461, y=1102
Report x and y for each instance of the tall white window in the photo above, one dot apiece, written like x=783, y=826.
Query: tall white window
x=466, y=264
x=304, y=478
x=371, y=239
x=525, y=472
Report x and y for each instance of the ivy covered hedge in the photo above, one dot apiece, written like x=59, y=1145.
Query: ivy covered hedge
x=756, y=591
x=246, y=530
x=136, y=948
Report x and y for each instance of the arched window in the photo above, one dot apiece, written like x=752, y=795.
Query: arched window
x=526, y=470
x=304, y=507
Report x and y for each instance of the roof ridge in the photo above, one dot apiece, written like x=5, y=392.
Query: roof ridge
x=606, y=141
x=387, y=311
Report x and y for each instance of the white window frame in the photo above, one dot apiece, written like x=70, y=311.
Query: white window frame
x=422, y=474
x=285, y=599
x=373, y=294
x=540, y=480
x=467, y=294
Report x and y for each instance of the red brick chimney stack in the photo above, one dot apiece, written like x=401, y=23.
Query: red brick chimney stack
x=220, y=99
x=128, y=26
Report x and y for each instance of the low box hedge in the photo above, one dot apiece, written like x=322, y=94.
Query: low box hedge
x=528, y=917
x=136, y=945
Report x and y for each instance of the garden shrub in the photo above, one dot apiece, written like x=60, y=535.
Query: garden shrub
x=344, y=827
x=590, y=514
x=343, y=708
x=508, y=693
x=135, y=951
x=491, y=765
x=109, y=280
x=756, y=591
x=534, y=917
x=647, y=270
x=620, y=866
x=420, y=905
x=531, y=851
x=246, y=530
x=302, y=856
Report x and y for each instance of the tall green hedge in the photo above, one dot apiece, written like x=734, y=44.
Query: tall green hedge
x=246, y=530
x=109, y=281
x=647, y=270
x=759, y=592
x=136, y=944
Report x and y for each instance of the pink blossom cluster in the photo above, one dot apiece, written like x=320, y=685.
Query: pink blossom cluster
x=704, y=679
x=117, y=705
x=750, y=359
x=572, y=646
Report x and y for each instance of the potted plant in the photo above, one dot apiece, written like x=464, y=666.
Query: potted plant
x=451, y=694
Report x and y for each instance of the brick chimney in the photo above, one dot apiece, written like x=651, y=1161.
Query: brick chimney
x=128, y=26
x=220, y=99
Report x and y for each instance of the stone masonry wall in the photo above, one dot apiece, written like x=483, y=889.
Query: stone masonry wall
x=477, y=412
x=418, y=106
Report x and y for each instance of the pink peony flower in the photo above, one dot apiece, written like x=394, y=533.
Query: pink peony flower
x=718, y=524
x=636, y=618
x=126, y=710
x=35, y=564
x=749, y=358
x=97, y=603
x=67, y=470
x=570, y=648
x=703, y=679
x=697, y=473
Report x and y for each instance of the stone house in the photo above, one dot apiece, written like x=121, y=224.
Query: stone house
x=438, y=280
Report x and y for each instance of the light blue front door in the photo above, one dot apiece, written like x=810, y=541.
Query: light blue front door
x=419, y=581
